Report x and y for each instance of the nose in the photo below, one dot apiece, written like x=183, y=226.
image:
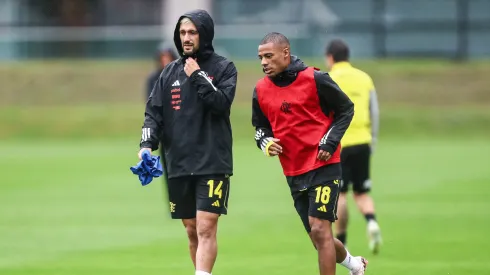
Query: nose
x=264, y=62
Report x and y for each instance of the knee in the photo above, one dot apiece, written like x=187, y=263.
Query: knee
x=320, y=233
x=206, y=229
x=361, y=194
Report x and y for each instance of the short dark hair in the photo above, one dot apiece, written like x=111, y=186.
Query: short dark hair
x=276, y=38
x=338, y=49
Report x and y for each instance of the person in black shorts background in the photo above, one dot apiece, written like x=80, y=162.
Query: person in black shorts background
x=358, y=142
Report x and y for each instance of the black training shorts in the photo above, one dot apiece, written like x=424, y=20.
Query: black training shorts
x=355, y=168
x=316, y=193
x=205, y=193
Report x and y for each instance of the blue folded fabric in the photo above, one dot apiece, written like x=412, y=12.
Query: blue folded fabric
x=148, y=168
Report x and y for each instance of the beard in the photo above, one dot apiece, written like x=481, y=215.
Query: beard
x=189, y=52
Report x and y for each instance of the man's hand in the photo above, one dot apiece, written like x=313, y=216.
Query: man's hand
x=190, y=66
x=323, y=155
x=141, y=152
x=273, y=148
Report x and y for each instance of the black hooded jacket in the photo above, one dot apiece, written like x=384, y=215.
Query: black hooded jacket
x=332, y=99
x=191, y=115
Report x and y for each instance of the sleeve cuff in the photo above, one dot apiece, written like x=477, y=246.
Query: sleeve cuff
x=194, y=75
x=328, y=148
x=146, y=145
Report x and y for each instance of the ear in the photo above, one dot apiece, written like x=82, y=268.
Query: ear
x=286, y=52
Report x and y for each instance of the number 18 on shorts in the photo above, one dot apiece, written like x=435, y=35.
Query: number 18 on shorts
x=323, y=200
x=315, y=199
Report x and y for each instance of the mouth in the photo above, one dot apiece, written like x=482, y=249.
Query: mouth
x=267, y=70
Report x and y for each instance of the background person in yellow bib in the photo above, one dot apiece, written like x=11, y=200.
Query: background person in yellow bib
x=358, y=142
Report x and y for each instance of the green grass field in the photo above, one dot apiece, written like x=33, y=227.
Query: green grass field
x=75, y=208
x=69, y=204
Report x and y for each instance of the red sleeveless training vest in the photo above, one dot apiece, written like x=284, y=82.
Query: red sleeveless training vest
x=297, y=119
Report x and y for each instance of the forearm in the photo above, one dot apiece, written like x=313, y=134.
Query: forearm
x=330, y=141
x=338, y=104
x=150, y=137
x=374, y=114
x=219, y=97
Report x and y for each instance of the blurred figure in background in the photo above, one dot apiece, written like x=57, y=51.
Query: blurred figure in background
x=358, y=142
x=165, y=54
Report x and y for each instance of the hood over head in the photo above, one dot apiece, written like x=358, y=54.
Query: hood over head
x=205, y=26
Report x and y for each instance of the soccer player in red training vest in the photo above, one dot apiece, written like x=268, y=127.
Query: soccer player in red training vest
x=300, y=115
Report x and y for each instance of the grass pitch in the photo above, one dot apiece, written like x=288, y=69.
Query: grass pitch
x=70, y=208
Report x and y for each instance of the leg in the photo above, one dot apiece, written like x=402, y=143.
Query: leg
x=357, y=265
x=323, y=200
x=343, y=219
x=304, y=201
x=340, y=250
x=190, y=228
x=321, y=234
x=322, y=212
x=342, y=209
x=365, y=204
x=361, y=179
x=207, y=250
x=362, y=186
x=181, y=194
x=212, y=201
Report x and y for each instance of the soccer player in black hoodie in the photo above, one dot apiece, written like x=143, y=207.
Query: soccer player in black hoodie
x=189, y=111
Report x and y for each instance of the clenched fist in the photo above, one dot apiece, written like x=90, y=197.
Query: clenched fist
x=190, y=66
x=141, y=152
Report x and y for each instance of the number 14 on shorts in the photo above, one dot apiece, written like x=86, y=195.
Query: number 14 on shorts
x=215, y=190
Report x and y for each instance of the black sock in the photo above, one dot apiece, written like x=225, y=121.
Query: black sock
x=342, y=237
x=370, y=217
